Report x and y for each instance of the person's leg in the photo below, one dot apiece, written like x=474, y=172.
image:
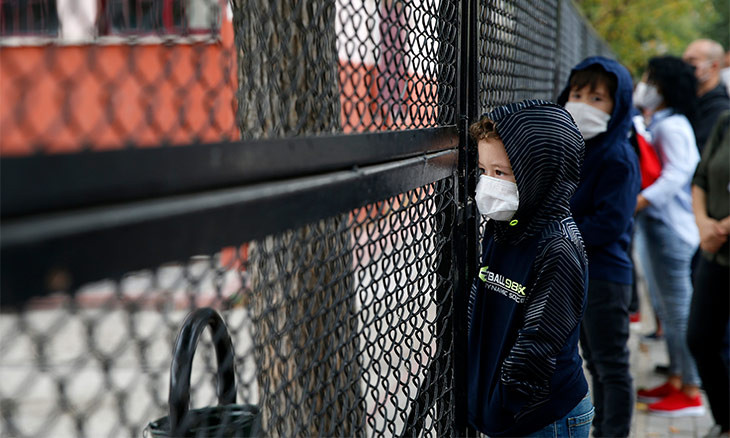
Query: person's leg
x=693, y=263
x=672, y=272
x=650, y=245
x=672, y=257
x=706, y=332
x=606, y=332
x=726, y=347
x=597, y=388
x=644, y=244
x=634, y=303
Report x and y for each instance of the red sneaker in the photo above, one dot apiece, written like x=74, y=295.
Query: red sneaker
x=655, y=394
x=678, y=404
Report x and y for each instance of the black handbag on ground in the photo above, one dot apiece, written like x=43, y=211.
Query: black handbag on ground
x=228, y=419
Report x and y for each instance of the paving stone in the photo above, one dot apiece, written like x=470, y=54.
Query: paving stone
x=645, y=355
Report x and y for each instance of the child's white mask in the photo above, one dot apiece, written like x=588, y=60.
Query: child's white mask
x=590, y=120
x=496, y=198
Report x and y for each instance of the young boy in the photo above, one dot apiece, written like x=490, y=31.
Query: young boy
x=525, y=373
x=598, y=96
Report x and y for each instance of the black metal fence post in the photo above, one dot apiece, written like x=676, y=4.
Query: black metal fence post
x=449, y=30
x=447, y=268
x=557, y=76
x=465, y=236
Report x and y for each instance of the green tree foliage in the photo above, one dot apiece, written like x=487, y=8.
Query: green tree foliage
x=639, y=29
x=718, y=28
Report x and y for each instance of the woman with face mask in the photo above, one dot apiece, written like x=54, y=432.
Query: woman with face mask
x=598, y=96
x=667, y=235
x=524, y=373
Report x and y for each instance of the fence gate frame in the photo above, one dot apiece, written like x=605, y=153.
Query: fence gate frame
x=60, y=212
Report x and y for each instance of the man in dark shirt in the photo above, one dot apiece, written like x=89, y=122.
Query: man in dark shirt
x=707, y=58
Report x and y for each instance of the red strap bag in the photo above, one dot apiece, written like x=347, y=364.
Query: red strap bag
x=649, y=163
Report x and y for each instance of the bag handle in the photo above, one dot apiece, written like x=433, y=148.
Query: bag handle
x=182, y=364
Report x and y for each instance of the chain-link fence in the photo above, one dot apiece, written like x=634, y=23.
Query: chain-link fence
x=527, y=49
x=300, y=168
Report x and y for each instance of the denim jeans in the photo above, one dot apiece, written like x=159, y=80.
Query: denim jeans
x=577, y=424
x=604, y=336
x=666, y=258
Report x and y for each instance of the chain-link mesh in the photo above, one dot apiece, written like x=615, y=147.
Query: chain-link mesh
x=133, y=73
x=336, y=327
x=527, y=49
x=394, y=62
x=516, y=48
x=577, y=41
x=341, y=327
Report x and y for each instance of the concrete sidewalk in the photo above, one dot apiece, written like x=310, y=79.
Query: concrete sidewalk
x=645, y=355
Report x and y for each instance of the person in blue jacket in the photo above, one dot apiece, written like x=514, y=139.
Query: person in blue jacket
x=524, y=373
x=598, y=96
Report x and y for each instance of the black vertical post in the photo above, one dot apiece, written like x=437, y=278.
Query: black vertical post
x=465, y=233
x=451, y=32
x=446, y=221
x=584, y=49
x=557, y=80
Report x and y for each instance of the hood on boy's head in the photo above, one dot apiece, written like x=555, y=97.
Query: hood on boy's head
x=545, y=149
x=620, y=122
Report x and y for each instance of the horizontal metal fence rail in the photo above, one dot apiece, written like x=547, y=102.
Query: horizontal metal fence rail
x=30, y=185
x=302, y=170
x=35, y=249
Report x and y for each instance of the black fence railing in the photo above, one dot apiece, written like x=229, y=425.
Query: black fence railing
x=302, y=169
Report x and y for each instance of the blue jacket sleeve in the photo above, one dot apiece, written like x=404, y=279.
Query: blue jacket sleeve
x=614, y=202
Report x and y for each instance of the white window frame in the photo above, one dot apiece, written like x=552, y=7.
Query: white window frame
x=78, y=25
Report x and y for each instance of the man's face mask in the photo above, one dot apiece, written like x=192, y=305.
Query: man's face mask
x=496, y=198
x=647, y=96
x=702, y=71
x=591, y=121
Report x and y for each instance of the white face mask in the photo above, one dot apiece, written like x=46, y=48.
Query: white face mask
x=590, y=120
x=647, y=96
x=702, y=71
x=496, y=198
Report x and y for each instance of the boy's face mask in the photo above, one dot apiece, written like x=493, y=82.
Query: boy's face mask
x=496, y=198
x=647, y=96
x=591, y=121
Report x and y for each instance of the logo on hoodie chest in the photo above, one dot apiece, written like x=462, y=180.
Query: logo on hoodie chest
x=503, y=285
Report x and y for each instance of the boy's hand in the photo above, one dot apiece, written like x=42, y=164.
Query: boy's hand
x=712, y=234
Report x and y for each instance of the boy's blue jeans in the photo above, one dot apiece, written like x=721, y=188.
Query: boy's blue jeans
x=577, y=424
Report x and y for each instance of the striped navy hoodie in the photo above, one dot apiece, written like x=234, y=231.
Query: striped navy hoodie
x=524, y=369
